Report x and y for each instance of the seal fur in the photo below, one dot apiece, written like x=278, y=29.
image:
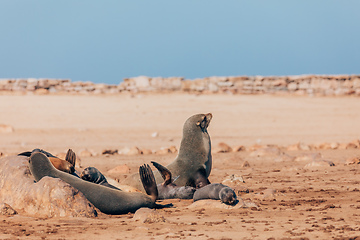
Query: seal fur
x=216, y=191
x=107, y=200
x=192, y=166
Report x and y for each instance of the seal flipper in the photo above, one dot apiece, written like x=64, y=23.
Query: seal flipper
x=107, y=200
x=71, y=157
x=200, y=178
x=165, y=173
x=148, y=181
x=26, y=154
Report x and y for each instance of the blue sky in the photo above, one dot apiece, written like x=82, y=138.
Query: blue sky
x=107, y=41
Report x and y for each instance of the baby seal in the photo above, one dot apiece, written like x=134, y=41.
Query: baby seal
x=168, y=190
x=216, y=191
x=92, y=174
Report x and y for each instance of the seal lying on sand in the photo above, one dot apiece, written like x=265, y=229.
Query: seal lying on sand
x=193, y=164
x=67, y=165
x=216, y=191
x=107, y=200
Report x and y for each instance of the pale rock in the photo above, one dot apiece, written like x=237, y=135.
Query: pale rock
x=239, y=148
x=233, y=179
x=121, y=169
x=284, y=158
x=222, y=148
x=163, y=151
x=352, y=160
x=50, y=197
x=85, y=153
x=245, y=164
x=147, y=151
x=6, y=209
x=6, y=128
x=42, y=91
x=267, y=194
x=155, y=134
x=173, y=149
x=147, y=215
x=134, y=151
x=319, y=164
x=356, y=142
x=266, y=152
x=124, y=150
x=308, y=157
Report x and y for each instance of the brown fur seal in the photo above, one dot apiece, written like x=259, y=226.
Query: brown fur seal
x=67, y=165
x=93, y=175
x=169, y=190
x=216, y=191
x=107, y=200
x=193, y=164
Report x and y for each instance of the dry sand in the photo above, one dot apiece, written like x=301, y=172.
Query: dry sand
x=311, y=203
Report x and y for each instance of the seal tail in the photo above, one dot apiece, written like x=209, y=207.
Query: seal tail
x=148, y=181
x=165, y=173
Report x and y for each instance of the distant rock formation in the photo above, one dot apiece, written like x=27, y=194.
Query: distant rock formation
x=323, y=85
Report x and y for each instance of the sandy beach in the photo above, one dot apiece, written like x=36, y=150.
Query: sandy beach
x=295, y=200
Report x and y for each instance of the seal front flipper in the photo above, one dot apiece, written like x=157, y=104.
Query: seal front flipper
x=200, y=178
x=165, y=173
x=148, y=181
x=26, y=154
x=71, y=157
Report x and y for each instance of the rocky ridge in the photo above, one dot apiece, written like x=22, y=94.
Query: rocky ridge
x=322, y=85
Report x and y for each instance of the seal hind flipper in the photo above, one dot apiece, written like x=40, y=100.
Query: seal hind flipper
x=165, y=173
x=71, y=157
x=148, y=181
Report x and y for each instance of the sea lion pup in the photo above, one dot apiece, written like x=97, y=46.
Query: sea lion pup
x=67, y=165
x=168, y=190
x=192, y=166
x=216, y=191
x=107, y=200
x=93, y=175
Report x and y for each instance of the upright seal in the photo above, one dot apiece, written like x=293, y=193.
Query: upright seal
x=193, y=164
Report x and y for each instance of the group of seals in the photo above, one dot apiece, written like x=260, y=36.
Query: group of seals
x=191, y=169
x=107, y=200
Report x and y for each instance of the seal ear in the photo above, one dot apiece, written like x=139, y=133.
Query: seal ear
x=165, y=173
